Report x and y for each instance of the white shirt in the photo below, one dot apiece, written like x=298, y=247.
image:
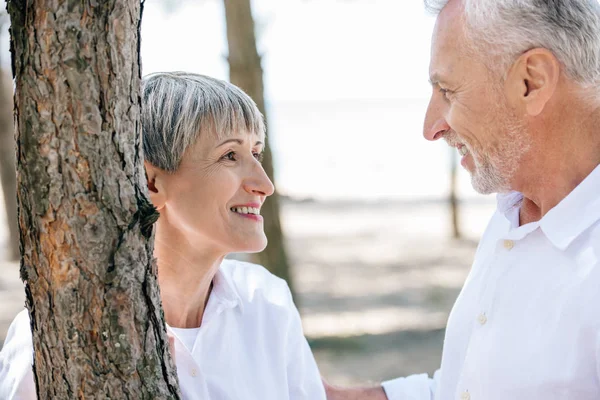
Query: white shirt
x=187, y=336
x=526, y=325
x=250, y=345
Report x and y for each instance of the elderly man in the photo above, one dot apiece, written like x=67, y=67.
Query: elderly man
x=516, y=90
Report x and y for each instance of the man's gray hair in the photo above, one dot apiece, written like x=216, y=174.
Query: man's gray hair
x=570, y=29
x=177, y=107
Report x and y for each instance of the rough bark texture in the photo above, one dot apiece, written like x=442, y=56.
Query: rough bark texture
x=7, y=164
x=245, y=71
x=91, y=287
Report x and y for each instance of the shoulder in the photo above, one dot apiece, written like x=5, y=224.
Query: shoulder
x=16, y=359
x=253, y=282
x=19, y=331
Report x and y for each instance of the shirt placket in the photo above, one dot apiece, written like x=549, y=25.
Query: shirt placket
x=210, y=321
x=192, y=382
x=483, y=317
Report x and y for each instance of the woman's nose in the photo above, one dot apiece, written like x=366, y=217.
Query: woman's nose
x=258, y=183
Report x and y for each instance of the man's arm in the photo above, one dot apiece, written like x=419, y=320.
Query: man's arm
x=414, y=387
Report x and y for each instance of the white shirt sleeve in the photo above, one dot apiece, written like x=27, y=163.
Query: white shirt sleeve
x=16, y=360
x=414, y=387
x=304, y=379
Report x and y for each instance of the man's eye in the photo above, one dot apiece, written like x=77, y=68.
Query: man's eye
x=229, y=156
x=445, y=92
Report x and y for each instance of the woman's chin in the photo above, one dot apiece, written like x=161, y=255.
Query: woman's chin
x=255, y=246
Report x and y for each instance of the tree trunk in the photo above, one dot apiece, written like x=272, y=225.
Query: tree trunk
x=7, y=164
x=245, y=71
x=86, y=257
x=453, y=197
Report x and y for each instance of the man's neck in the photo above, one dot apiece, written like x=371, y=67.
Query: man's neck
x=549, y=176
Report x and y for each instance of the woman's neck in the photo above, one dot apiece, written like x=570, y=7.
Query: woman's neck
x=185, y=276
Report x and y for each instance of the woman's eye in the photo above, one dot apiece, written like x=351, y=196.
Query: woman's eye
x=259, y=156
x=229, y=156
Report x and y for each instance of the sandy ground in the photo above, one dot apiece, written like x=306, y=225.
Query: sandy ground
x=375, y=282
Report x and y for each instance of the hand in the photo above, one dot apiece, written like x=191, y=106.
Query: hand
x=367, y=393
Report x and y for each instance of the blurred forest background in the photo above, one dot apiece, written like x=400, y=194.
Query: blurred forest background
x=374, y=227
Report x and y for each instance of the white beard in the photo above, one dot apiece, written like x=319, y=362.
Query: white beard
x=494, y=171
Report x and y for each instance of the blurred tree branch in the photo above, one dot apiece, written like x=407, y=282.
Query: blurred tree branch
x=453, y=197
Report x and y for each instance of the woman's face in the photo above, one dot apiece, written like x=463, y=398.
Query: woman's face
x=215, y=196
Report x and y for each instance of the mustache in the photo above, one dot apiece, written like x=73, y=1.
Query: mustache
x=452, y=139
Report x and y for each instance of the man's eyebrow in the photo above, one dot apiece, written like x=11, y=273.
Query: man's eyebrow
x=436, y=79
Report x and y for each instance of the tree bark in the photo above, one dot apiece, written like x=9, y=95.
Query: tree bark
x=7, y=164
x=245, y=71
x=86, y=256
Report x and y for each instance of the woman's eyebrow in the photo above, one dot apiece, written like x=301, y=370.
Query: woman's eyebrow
x=238, y=141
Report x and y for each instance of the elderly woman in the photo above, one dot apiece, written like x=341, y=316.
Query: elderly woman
x=236, y=331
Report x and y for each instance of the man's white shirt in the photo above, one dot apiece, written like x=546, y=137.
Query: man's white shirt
x=526, y=324
x=250, y=345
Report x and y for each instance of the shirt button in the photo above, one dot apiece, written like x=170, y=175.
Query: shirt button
x=482, y=319
x=193, y=372
x=465, y=396
x=509, y=244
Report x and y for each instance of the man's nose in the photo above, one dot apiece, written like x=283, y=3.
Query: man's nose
x=435, y=125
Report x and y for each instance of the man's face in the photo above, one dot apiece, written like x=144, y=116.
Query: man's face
x=468, y=108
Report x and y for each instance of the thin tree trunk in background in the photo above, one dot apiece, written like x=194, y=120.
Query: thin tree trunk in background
x=91, y=287
x=453, y=197
x=7, y=163
x=245, y=71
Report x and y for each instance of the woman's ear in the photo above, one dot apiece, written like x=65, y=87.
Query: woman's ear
x=156, y=187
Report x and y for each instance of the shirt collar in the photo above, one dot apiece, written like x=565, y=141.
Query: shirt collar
x=508, y=201
x=567, y=220
x=224, y=291
x=575, y=213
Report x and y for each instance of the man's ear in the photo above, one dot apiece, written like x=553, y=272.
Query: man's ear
x=156, y=187
x=532, y=80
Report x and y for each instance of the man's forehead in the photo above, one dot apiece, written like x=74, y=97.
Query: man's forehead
x=447, y=41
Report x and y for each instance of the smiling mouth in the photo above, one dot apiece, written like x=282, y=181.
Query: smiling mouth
x=462, y=150
x=246, y=210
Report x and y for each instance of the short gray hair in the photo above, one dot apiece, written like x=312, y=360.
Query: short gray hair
x=177, y=107
x=570, y=29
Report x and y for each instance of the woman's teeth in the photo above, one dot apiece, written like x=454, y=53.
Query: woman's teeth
x=246, y=210
x=462, y=150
